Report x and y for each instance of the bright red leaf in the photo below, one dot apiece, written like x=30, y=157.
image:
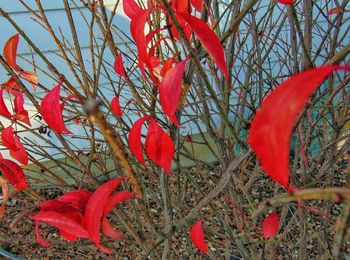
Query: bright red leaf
x=209, y=40
x=119, y=66
x=3, y=108
x=170, y=90
x=159, y=146
x=13, y=173
x=76, y=199
x=94, y=209
x=16, y=148
x=108, y=230
x=286, y=2
x=272, y=126
x=20, y=113
x=134, y=139
x=10, y=51
x=40, y=239
x=62, y=222
x=117, y=198
x=52, y=112
x=115, y=105
x=131, y=8
x=11, y=86
x=197, y=4
x=197, y=236
x=270, y=225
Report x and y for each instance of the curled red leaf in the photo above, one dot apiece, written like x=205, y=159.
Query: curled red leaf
x=10, y=51
x=39, y=238
x=170, y=90
x=20, y=113
x=16, y=148
x=51, y=111
x=197, y=236
x=159, y=146
x=115, y=105
x=272, y=126
x=62, y=222
x=76, y=199
x=209, y=40
x=270, y=225
x=108, y=230
x=119, y=66
x=134, y=139
x=13, y=173
x=11, y=86
x=3, y=108
x=95, y=206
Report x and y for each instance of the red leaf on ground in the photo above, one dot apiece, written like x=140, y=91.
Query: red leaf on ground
x=119, y=66
x=61, y=222
x=51, y=111
x=10, y=51
x=117, y=198
x=108, y=229
x=170, y=90
x=20, y=113
x=272, y=126
x=134, y=139
x=16, y=148
x=3, y=108
x=95, y=206
x=13, y=173
x=197, y=236
x=270, y=225
x=115, y=105
x=159, y=146
x=209, y=40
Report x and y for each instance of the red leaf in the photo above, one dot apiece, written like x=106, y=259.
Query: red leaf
x=209, y=40
x=21, y=114
x=119, y=66
x=134, y=138
x=3, y=108
x=61, y=222
x=137, y=28
x=11, y=86
x=170, y=90
x=76, y=199
x=197, y=236
x=11, y=141
x=117, y=198
x=95, y=206
x=10, y=51
x=108, y=230
x=13, y=173
x=159, y=146
x=68, y=236
x=286, y=2
x=270, y=225
x=272, y=126
x=131, y=8
x=115, y=105
x=57, y=206
x=5, y=195
x=197, y=4
x=335, y=10
x=168, y=64
x=31, y=77
x=41, y=241
x=51, y=111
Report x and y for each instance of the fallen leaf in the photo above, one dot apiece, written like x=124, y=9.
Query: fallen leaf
x=197, y=236
x=270, y=225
